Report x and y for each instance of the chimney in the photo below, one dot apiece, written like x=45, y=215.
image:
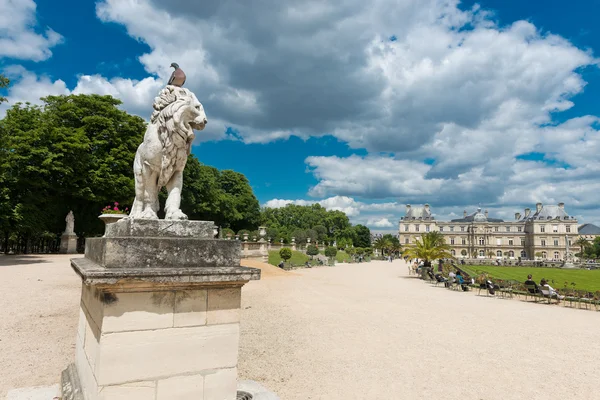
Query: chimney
x=407, y=208
x=486, y=213
x=527, y=212
x=561, y=205
x=538, y=208
x=517, y=216
x=465, y=214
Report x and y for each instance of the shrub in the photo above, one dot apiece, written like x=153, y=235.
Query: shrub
x=312, y=250
x=285, y=253
x=330, y=252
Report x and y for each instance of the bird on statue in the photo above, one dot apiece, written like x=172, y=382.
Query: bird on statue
x=177, y=77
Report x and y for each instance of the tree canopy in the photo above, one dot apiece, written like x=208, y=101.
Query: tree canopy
x=314, y=222
x=431, y=246
x=76, y=153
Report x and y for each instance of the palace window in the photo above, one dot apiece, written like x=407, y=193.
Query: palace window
x=556, y=255
x=441, y=229
x=405, y=228
x=554, y=228
x=519, y=229
x=453, y=252
x=464, y=241
x=522, y=242
x=481, y=241
x=542, y=228
x=481, y=253
x=426, y=228
x=523, y=254
x=499, y=253
x=568, y=229
x=508, y=229
x=416, y=228
x=451, y=240
x=544, y=255
x=407, y=240
x=451, y=229
x=543, y=242
x=510, y=242
x=556, y=242
x=499, y=242
x=570, y=242
x=511, y=253
x=495, y=229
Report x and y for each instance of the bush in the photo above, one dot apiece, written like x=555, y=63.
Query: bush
x=285, y=253
x=312, y=250
x=330, y=252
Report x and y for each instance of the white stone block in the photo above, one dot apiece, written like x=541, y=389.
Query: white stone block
x=138, y=311
x=190, y=308
x=91, y=344
x=148, y=355
x=129, y=391
x=188, y=387
x=221, y=385
x=224, y=306
x=86, y=375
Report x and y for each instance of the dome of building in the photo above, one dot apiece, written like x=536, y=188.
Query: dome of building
x=479, y=216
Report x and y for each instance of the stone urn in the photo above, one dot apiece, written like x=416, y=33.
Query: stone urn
x=111, y=218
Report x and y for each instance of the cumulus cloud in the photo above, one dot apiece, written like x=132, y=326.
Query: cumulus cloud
x=380, y=223
x=19, y=37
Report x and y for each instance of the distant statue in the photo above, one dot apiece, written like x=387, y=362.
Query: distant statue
x=70, y=228
x=161, y=158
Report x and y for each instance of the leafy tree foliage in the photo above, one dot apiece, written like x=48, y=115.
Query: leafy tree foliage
x=285, y=253
x=330, y=252
x=429, y=248
x=362, y=236
x=312, y=250
x=388, y=244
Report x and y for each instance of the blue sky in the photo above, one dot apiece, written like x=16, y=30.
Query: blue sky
x=491, y=102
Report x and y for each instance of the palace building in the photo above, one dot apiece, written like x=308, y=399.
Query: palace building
x=547, y=232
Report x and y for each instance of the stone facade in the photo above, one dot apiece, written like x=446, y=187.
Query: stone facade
x=542, y=234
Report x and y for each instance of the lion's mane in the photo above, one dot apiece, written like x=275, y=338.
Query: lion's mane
x=166, y=105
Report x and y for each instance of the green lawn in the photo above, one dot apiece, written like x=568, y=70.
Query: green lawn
x=584, y=279
x=340, y=257
x=298, y=258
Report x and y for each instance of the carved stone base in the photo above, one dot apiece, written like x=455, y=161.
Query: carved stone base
x=70, y=385
x=68, y=244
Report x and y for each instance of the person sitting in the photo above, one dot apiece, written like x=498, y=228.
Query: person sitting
x=531, y=286
x=553, y=293
x=461, y=281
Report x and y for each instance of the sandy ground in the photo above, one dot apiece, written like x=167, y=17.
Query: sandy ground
x=364, y=331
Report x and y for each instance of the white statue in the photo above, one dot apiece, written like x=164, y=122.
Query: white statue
x=70, y=228
x=161, y=158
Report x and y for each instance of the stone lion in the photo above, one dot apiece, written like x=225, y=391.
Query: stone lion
x=161, y=158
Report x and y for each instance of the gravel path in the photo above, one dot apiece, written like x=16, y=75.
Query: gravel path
x=363, y=331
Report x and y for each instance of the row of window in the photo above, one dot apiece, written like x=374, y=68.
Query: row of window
x=481, y=242
x=512, y=254
x=496, y=228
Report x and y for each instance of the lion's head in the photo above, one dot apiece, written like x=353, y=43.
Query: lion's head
x=178, y=108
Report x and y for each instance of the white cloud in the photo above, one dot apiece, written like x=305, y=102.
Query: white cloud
x=380, y=223
x=18, y=37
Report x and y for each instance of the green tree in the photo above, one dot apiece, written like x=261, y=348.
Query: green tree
x=330, y=252
x=363, y=236
x=321, y=232
x=285, y=253
x=312, y=250
x=428, y=248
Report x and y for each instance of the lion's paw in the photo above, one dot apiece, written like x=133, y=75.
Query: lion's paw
x=148, y=214
x=177, y=214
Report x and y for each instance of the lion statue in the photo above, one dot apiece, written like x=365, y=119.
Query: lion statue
x=161, y=158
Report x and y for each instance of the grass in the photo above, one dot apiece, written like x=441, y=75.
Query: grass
x=584, y=279
x=298, y=258
x=340, y=257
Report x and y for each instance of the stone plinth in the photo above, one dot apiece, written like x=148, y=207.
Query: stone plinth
x=159, y=313
x=68, y=244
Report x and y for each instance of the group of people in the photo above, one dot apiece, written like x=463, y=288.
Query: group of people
x=533, y=288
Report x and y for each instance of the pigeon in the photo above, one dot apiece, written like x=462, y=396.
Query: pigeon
x=177, y=77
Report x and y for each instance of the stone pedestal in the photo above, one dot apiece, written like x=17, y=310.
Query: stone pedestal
x=159, y=313
x=68, y=244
